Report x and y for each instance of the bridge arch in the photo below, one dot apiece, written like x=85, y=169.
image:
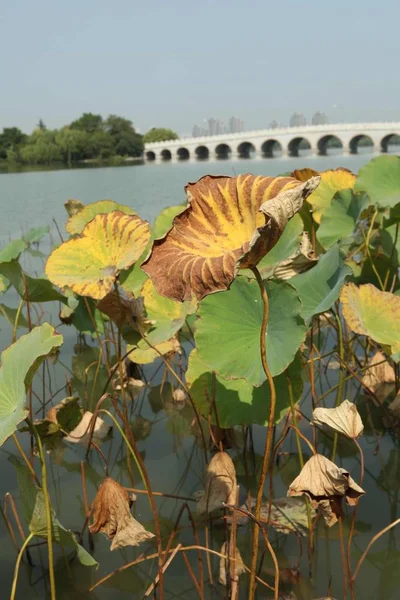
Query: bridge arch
x=299, y=146
x=246, y=150
x=271, y=149
x=329, y=144
x=361, y=144
x=166, y=154
x=202, y=152
x=183, y=153
x=390, y=143
x=150, y=155
x=223, y=151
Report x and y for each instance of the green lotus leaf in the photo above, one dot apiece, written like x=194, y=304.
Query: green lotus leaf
x=36, y=234
x=339, y=220
x=19, y=362
x=4, y=284
x=319, y=287
x=380, y=178
x=238, y=403
x=12, y=250
x=76, y=223
x=168, y=315
x=10, y=314
x=36, y=289
x=228, y=330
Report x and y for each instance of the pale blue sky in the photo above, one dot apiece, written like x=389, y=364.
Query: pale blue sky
x=174, y=62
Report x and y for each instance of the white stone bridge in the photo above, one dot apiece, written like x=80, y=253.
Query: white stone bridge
x=287, y=141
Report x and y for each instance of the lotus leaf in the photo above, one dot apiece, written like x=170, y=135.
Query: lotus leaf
x=19, y=362
x=380, y=178
x=90, y=263
x=230, y=223
x=369, y=311
x=77, y=221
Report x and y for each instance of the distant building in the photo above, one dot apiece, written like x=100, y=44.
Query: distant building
x=319, y=118
x=297, y=120
x=236, y=125
x=199, y=131
x=273, y=125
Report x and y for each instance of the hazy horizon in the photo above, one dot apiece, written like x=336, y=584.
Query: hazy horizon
x=175, y=64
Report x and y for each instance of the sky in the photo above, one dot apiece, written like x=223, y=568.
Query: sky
x=174, y=63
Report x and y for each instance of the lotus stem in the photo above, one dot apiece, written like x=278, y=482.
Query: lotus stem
x=339, y=392
x=49, y=521
x=371, y=542
x=17, y=565
x=270, y=433
x=353, y=519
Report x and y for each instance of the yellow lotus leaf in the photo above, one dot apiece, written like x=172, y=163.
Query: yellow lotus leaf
x=230, y=224
x=369, y=311
x=81, y=215
x=332, y=181
x=90, y=263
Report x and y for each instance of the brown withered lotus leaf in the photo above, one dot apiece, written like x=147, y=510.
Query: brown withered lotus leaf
x=229, y=224
x=224, y=564
x=325, y=484
x=112, y=516
x=220, y=485
x=125, y=309
x=344, y=419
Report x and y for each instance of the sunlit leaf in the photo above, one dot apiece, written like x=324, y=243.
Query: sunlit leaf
x=369, y=311
x=18, y=364
x=164, y=220
x=76, y=223
x=230, y=223
x=380, y=178
x=90, y=263
x=340, y=217
x=319, y=287
x=237, y=402
x=332, y=181
x=34, y=509
x=344, y=419
x=12, y=250
x=228, y=330
x=4, y=284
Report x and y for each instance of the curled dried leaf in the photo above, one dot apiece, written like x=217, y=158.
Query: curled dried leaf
x=220, y=484
x=344, y=419
x=224, y=564
x=112, y=516
x=323, y=482
x=125, y=309
x=80, y=435
x=302, y=260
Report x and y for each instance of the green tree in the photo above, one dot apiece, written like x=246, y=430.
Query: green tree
x=127, y=141
x=99, y=144
x=160, y=134
x=41, y=125
x=71, y=142
x=88, y=122
x=41, y=148
x=12, y=138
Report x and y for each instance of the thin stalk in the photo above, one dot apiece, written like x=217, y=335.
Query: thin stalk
x=372, y=541
x=49, y=523
x=17, y=565
x=14, y=335
x=367, y=240
x=343, y=556
x=270, y=434
x=25, y=458
x=339, y=392
x=353, y=520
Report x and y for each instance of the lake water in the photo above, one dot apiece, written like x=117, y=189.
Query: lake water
x=172, y=456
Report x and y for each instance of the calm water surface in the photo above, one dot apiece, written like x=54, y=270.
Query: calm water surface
x=173, y=459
